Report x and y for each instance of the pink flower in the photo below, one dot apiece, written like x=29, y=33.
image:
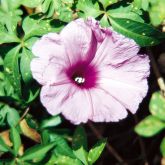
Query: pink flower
x=89, y=73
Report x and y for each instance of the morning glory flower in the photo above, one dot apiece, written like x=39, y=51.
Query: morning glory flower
x=89, y=73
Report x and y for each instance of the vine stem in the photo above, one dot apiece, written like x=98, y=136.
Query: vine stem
x=24, y=114
x=110, y=149
x=141, y=143
x=159, y=77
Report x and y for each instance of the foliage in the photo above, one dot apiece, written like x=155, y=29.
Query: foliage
x=22, y=23
x=53, y=149
x=155, y=122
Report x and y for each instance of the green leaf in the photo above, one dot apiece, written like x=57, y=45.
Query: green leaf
x=141, y=4
x=37, y=151
x=26, y=58
x=62, y=9
x=79, y=144
x=142, y=33
x=89, y=8
x=35, y=25
x=150, y=126
x=10, y=4
x=7, y=162
x=79, y=138
x=33, y=92
x=104, y=21
x=31, y=3
x=6, y=89
x=63, y=160
x=10, y=113
x=157, y=106
x=30, y=42
x=3, y=113
x=6, y=37
x=96, y=151
x=65, y=14
x=48, y=4
x=162, y=147
x=45, y=136
x=12, y=69
x=121, y=12
x=1, y=60
x=16, y=139
x=51, y=8
x=12, y=116
x=10, y=15
x=62, y=147
x=10, y=19
x=4, y=147
x=145, y=5
x=157, y=12
x=107, y=3
x=68, y=2
x=51, y=122
x=52, y=160
x=124, y=12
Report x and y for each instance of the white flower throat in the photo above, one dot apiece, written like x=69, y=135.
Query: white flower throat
x=79, y=80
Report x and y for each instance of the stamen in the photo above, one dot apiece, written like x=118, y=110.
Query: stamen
x=79, y=80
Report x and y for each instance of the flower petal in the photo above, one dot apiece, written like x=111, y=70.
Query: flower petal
x=49, y=45
x=38, y=66
x=80, y=39
x=115, y=49
x=48, y=71
x=54, y=97
x=67, y=99
x=105, y=107
x=50, y=58
x=127, y=83
x=78, y=110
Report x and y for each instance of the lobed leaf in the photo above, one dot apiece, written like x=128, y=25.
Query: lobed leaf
x=89, y=8
x=12, y=116
x=51, y=122
x=26, y=58
x=10, y=14
x=37, y=151
x=157, y=12
x=35, y=25
x=31, y=3
x=6, y=37
x=16, y=139
x=63, y=160
x=142, y=33
x=79, y=144
x=9, y=113
x=11, y=66
x=60, y=8
x=162, y=147
x=62, y=147
x=96, y=151
x=150, y=126
x=107, y=3
x=157, y=106
x=4, y=147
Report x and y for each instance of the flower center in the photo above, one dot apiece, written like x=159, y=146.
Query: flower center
x=83, y=75
x=79, y=80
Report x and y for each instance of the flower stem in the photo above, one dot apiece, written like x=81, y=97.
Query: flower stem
x=158, y=75
x=24, y=114
x=141, y=144
x=110, y=149
x=22, y=117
